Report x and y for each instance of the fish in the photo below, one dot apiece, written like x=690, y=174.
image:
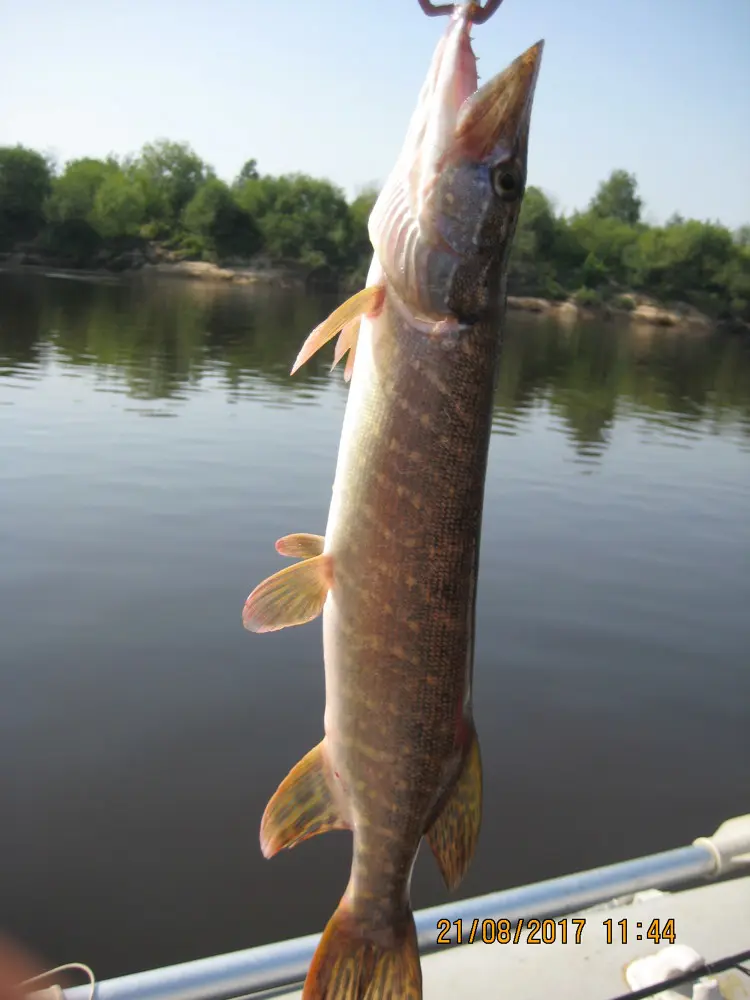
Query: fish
x=395, y=575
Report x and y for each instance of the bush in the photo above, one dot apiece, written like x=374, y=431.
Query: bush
x=587, y=297
x=153, y=230
x=624, y=302
x=554, y=291
x=222, y=226
x=189, y=246
x=740, y=308
x=74, y=240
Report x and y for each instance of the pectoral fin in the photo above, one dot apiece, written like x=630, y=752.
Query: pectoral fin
x=453, y=835
x=300, y=546
x=292, y=596
x=367, y=302
x=302, y=805
x=350, y=363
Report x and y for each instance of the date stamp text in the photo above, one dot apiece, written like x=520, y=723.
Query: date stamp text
x=568, y=930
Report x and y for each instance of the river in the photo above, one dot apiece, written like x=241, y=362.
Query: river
x=152, y=449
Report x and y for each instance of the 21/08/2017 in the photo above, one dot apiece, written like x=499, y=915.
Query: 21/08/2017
x=564, y=931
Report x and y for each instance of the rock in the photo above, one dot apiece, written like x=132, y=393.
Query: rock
x=197, y=269
x=567, y=312
x=655, y=316
x=529, y=304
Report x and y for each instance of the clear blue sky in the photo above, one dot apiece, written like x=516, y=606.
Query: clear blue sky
x=658, y=87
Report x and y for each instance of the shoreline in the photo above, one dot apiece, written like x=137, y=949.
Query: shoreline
x=196, y=270
x=645, y=309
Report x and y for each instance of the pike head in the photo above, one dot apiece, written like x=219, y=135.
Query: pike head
x=444, y=222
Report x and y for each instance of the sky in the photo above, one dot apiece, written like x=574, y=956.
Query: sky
x=660, y=88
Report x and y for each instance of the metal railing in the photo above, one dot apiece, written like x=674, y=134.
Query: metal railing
x=285, y=963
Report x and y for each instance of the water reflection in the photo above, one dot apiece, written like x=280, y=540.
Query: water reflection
x=161, y=340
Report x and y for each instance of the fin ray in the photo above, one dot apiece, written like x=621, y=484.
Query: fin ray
x=302, y=806
x=368, y=301
x=454, y=833
x=350, y=364
x=349, y=965
x=293, y=596
x=347, y=341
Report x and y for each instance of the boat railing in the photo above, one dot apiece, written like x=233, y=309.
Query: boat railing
x=285, y=963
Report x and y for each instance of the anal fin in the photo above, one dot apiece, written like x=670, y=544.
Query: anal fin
x=367, y=302
x=454, y=833
x=293, y=596
x=302, y=806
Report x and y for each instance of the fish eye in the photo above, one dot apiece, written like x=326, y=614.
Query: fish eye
x=506, y=182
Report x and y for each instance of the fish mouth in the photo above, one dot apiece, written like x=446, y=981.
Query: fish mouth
x=496, y=118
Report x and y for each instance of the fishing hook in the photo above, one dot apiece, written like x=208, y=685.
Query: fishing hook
x=477, y=13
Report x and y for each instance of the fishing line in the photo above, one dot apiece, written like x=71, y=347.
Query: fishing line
x=707, y=969
x=55, y=992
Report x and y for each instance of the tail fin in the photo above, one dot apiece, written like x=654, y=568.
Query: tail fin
x=349, y=965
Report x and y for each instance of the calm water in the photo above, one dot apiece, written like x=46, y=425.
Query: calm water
x=153, y=447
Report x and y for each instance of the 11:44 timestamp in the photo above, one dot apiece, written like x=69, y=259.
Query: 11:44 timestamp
x=657, y=931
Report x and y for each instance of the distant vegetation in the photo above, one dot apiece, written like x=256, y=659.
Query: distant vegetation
x=106, y=212
x=607, y=251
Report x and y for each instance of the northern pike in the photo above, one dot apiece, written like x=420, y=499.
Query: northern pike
x=395, y=576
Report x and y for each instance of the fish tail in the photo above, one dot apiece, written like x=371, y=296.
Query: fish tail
x=352, y=964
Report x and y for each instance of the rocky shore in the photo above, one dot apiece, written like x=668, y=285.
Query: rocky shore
x=155, y=260
x=636, y=308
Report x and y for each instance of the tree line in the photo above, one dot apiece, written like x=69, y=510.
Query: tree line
x=92, y=210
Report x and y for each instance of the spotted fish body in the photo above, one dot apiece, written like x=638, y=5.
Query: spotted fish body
x=395, y=576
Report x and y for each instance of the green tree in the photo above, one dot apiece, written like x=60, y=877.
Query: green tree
x=538, y=219
x=735, y=278
x=617, y=198
x=171, y=173
x=608, y=242
x=545, y=254
x=532, y=245
x=249, y=172
x=25, y=179
x=119, y=206
x=74, y=192
x=568, y=255
x=225, y=229
x=301, y=218
x=685, y=260
x=360, y=251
